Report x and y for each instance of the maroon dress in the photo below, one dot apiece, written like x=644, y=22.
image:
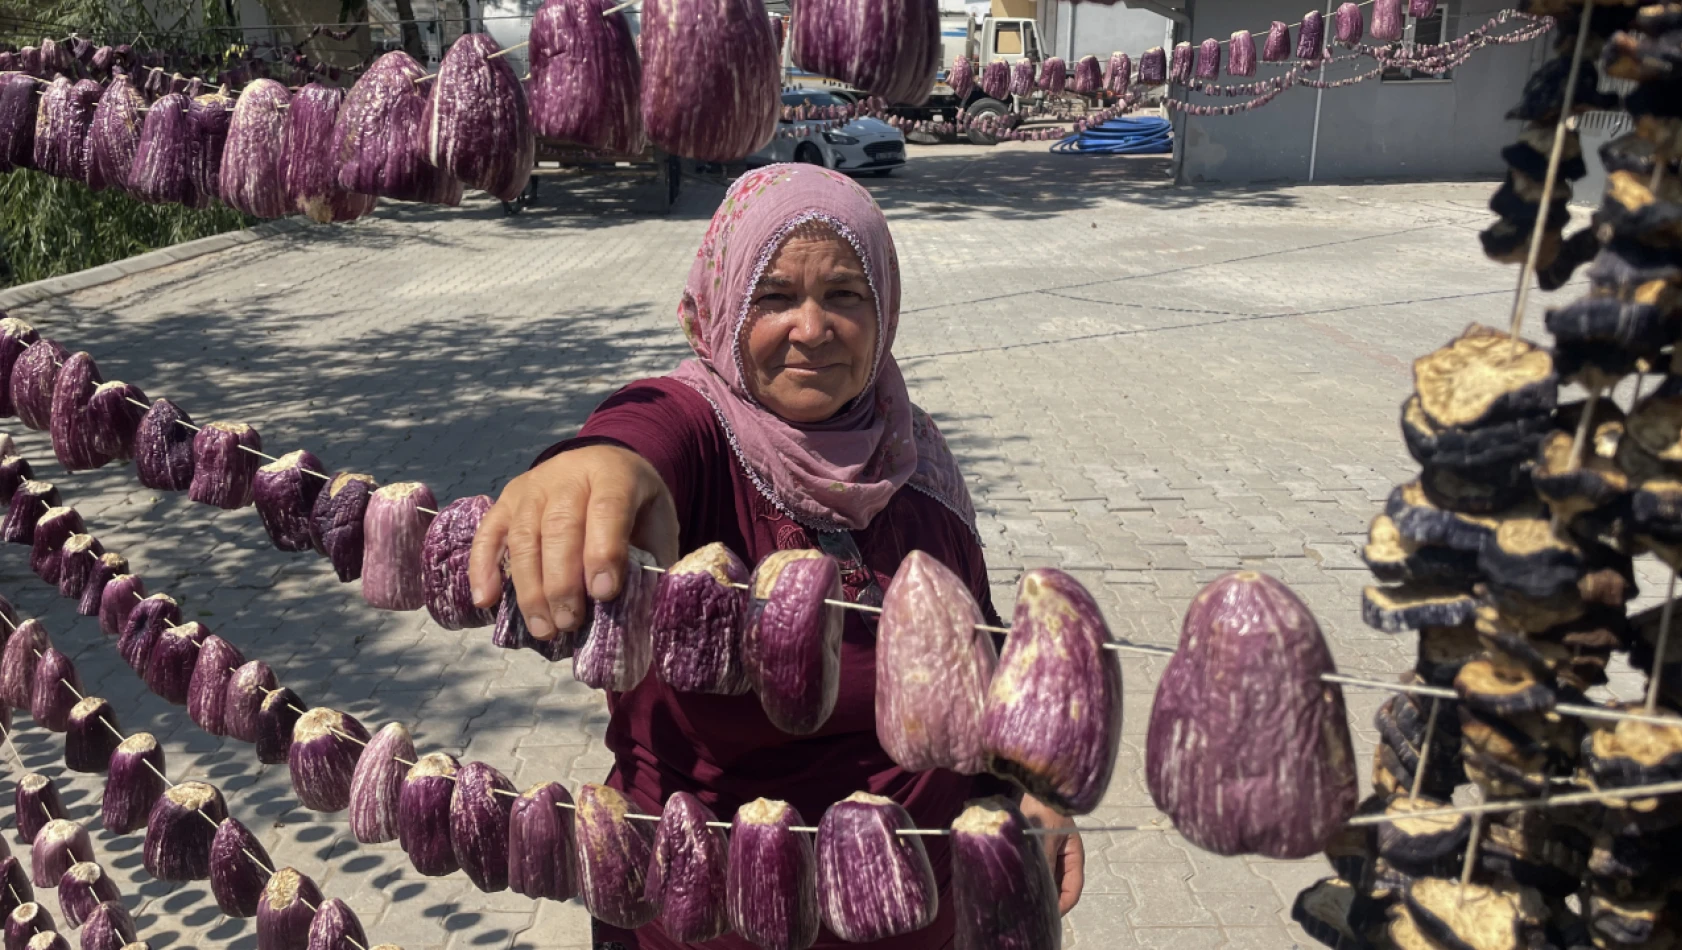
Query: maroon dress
x=722, y=748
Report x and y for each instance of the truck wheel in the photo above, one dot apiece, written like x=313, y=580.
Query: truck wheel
x=984, y=109
x=809, y=154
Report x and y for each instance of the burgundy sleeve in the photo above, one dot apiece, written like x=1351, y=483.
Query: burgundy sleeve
x=661, y=420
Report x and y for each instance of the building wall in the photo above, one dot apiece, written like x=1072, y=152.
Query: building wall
x=1074, y=30
x=1417, y=129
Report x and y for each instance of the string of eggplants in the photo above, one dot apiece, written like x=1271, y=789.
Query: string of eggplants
x=61, y=858
x=189, y=833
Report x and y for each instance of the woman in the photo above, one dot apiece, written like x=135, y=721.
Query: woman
x=792, y=428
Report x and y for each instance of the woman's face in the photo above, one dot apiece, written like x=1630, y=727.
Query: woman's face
x=810, y=339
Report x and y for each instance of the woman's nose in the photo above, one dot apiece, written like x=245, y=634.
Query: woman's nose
x=811, y=325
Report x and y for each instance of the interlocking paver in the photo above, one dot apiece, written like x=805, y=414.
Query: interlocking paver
x=1149, y=384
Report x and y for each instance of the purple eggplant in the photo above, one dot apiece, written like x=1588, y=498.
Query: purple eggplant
x=163, y=448
x=285, y=492
x=721, y=52
x=379, y=141
x=889, y=48
x=166, y=161
x=394, y=527
x=478, y=128
x=444, y=555
x=225, y=464
x=91, y=736
x=326, y=745
x=312, y=177
x=114, y=134
x=687, y=880
x=542, y=844
x=479, y=821
x=207, y=688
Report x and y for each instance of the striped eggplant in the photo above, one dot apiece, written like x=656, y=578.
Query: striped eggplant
x=285, y=492
x=394, y=527
x=1248, y=751
x=1419, y=9
x=444, y=554
x=873, y=882
x=932, y=671
x=105, y=568
x=243, y=703
x=14, y=471
x=16, y=338
x=1022, y=77
x=687, y=879
x=178, y=839
x=585, y=81
x=335, y=927
x=107, y=927
x=82, y=888
x=718, y=52
x=35, y=803
x=22, y=654
x=1209, y=59
x=1153, y=67
x=169, y=668
x=613, y=856
x=995, y=79
x=252, y=161
x=286, y=910
x=61, y=127
x=376, y=786
x=480, y=808
x=1089, y=76
x=163, y=448
x=1003, y=894
x=1054, y=75
x=511, y=632
x=30, y=500
x=477, y=126
x=147, y=619
x=133, y=784
x=772, y=883
x=1119, y=76
x=618, y=648
x=239, y=866
x=1388, y=21
x=698, y=611
x=961, y=77
x=76, y=562
x=122, y=592
x=1311, y=40
x=336, y=522
x=889, y=48
x=28, y=921
x=1054, y=661
x=207, y=690
x=1347, y=25
x=60, y=845
x=56, y=526
x=114, y=134
x=277, y=718
x=326, y=745
x=423, y=808
x=791, y=642
x=91, y=735
x=225, y=464
x=15, y=889
x=311, y=175
x=1277, y=49
x=1241, y=54
x=33, y=378
x=541, y=844
x=113, y=418
x=209, y=118
x=379, y=143
x=1180, y=65
x=165, y=164
x=54, y=691
x=18, y=102
x=72, y=436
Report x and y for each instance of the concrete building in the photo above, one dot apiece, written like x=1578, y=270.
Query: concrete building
x=1397, y=126
x=1073, y=30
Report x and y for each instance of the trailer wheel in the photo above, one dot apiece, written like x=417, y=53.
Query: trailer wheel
x=982, y=109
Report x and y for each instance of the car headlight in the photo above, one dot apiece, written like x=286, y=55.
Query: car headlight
x=836, y=138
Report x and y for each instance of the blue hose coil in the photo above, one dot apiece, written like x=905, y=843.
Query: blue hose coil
x=1144, y=135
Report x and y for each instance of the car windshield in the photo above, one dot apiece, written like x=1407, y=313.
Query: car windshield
x=810, y=99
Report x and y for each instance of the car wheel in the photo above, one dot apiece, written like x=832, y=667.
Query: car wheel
x=809, y=154
x=982, y=109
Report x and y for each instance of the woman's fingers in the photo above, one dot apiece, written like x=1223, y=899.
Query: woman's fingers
x=484, y=564
x=607, y=535
x=563, y=528
x=525, y=569
x=656, y=529
x=1071, y=873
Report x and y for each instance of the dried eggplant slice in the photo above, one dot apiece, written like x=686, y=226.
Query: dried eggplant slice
x=1529, y=155
x=1533, y=614
x=1322, y=911
x=1526, y=556
x=1485, y=376
x=1394, y=559
x=1475, y=492
x=1572, y=486
x=1629, y=752
x=1497, y=444
x=1508, y=242
x=1403, y=931
x=1632, y=326
x=1631, y=210
x=1408, y=838
x=1512, y=854
x=1477, y=916
x=1519, y=200
x=1655, y=510
x=1627, y=923
x=1443, y=650
x=1393, y=775
x=1503, y=691
x=1595, y=366
x=1412, y=606
x=1422, y=521
x=1639, y=273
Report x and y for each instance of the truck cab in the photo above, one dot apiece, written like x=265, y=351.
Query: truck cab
x=1009, y=39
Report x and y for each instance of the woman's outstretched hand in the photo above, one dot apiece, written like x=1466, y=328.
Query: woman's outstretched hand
x=565, y=526
x=1064, y=851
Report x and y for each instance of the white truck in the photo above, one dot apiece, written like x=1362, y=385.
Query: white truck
x=982, y=40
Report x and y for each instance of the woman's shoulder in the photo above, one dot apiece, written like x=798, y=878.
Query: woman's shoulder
x=659, y=406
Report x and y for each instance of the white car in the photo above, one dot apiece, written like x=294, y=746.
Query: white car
x=862, y=146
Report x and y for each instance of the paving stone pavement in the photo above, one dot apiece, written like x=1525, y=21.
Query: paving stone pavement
x=1148, y=386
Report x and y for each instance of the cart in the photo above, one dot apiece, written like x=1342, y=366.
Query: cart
x=656, y=175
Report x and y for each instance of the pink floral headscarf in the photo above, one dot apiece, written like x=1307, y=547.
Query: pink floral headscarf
x=832, y=475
